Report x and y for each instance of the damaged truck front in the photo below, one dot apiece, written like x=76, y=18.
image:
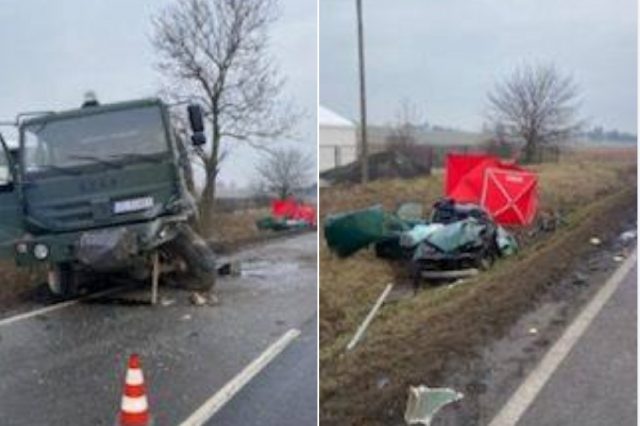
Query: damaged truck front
x=101, y=189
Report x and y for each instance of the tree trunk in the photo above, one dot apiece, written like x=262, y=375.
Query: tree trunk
x=529, y=151
x=207, y=204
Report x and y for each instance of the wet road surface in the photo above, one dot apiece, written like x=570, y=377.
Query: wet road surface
x=282, y=394
x=67, y=367
x=596, y=384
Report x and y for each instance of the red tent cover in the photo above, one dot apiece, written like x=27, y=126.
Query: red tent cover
x=507, y=191
x=291, y=209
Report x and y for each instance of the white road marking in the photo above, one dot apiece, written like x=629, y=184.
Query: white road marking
x=228, y=391
x=56, y=307
x=526, y=393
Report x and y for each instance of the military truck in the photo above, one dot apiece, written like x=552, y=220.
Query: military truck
x=102, y=190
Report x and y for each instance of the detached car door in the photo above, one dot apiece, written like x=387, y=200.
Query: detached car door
x=10, y=211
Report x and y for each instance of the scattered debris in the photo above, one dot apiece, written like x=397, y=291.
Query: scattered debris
x=628, y=236
x=595, y=241
x=456, y=283
x=579, y=278
x=618, y=258
x=363, y=327
x=185, y=317
x=382, y=382
x=197, y=299
x=533, y=330
x=165, y=301
x=212, y=299
x=425, y=402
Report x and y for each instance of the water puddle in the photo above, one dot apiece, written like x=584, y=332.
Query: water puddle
x=264, y=268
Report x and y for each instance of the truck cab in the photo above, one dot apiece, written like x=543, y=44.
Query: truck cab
x=95, y=189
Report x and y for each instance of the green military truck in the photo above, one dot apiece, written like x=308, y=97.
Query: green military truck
x=102, y=189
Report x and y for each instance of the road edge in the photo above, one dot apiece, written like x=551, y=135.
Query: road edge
x=210, y=407
x=526, y=393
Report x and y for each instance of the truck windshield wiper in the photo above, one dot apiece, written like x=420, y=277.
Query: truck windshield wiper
x=149, y=158
x=98, y=160
x=63, y=170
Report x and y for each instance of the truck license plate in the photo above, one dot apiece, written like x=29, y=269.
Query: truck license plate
x=132, y=205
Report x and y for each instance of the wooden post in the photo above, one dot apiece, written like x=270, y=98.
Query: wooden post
x=364, y=150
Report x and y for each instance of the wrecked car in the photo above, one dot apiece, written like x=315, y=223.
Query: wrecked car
x=102, y=189
x=462, y=240
x=457, y=240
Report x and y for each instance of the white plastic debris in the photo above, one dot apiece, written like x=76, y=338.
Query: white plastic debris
x=533, y=330
x=628, y=236
x=425, y=402
x=595, y=241
x=618, y=258
x=197, y=299
x=165, y=301
x=213, y=300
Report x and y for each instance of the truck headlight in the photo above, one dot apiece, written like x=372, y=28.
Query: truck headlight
x=22, y=248
x=40, y=251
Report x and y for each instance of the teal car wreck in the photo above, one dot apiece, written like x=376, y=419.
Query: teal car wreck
x=102, y=189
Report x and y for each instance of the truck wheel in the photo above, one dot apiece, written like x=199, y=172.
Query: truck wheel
x=63, y=280
x=198, y=256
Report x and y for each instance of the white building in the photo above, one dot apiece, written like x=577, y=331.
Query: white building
x=338, y=139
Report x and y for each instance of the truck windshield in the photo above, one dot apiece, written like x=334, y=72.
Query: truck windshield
x=105, y=138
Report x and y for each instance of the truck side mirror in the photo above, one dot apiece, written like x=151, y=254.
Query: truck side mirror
x=198, y=139
x=196, y=121
x=195, y=118
x=6, y=177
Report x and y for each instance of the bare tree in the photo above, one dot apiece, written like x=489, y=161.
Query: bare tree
x=408, y=121
x=216, y=53
x=537, y=104
x=282, y=171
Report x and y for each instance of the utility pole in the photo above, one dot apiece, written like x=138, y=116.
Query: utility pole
x=364, y=151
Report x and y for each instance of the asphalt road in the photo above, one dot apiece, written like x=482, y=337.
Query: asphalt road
x=282, y=394
x=67, y=366
x=596, y=384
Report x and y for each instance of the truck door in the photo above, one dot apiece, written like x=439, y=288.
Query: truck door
x=10, y=211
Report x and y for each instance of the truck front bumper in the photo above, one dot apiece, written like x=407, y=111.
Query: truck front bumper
x=66, y=246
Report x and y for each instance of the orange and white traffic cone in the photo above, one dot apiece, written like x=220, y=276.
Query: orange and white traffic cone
x=134, y=409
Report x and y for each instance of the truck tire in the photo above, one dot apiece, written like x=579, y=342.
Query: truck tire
x=197, y=255
x=63, y=280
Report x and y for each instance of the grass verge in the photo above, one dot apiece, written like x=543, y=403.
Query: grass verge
x=412, y=342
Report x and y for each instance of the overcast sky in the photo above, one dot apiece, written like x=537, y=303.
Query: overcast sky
x=444, y=55
x=54, y=51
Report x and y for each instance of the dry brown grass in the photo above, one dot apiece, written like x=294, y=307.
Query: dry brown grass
x=17, y=283
x=348, y=287
x=236, y=226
